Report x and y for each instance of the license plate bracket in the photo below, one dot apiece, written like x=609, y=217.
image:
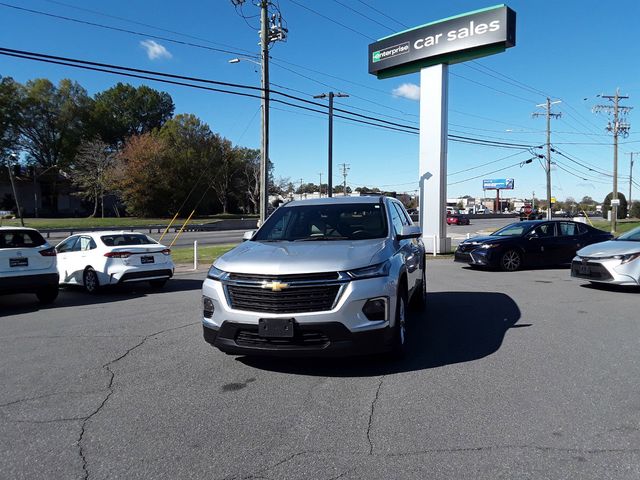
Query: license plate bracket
x=276, y=327
x=147, y=259
x=19, y=262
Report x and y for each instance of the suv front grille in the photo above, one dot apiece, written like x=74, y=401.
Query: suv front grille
x=292, y=300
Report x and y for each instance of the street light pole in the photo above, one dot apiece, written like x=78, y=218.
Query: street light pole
x=264, y=158
x=330, y=96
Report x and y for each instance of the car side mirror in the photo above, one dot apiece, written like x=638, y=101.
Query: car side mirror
x=409, y=231
x=248, y=235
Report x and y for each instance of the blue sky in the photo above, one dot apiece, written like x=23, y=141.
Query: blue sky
x=570, y=50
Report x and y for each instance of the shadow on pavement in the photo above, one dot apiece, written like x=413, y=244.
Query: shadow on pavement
x=73, y=296
x=455, y=327
x=606, y=287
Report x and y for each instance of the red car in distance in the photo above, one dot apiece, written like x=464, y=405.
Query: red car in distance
x=457, y=219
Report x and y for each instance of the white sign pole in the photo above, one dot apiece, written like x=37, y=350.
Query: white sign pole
x=434, y=92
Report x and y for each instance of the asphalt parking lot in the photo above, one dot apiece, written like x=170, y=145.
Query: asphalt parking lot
x=526, y=375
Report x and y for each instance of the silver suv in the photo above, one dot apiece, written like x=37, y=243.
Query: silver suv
x=330, y=276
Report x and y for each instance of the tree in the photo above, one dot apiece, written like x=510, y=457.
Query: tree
x=226, y=166
x=635, y=209
x=250, y=161
x=91, y=169
x=138, y=175
x=622, y=208
x=10, y=110
x=124, y=110
x=53, y=121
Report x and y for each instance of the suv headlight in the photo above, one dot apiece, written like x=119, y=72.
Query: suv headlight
x=216, y=273
x=379, y=270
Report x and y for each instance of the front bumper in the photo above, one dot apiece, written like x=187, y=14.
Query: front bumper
x=330, y=339
x=342, y=330
x=477, y=256
x=116, y=274
x=609, y=270
x=28, y=283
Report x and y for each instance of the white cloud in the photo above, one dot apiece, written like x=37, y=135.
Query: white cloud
x=155, y=50
x=407, y=90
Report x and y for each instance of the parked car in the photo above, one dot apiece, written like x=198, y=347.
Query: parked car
x=614, y=262
x=457, y=220
x=529, y=243
x=96, y=259
x=329, y=276
x=27, y=264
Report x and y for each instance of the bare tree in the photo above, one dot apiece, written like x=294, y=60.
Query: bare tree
x=90, y=171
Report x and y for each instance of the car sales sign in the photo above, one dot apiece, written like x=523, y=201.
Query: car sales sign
x=456, y=39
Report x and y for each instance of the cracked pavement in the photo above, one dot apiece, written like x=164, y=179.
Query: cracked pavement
x=523, y=375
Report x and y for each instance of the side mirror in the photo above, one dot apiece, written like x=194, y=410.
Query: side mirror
x=410, y=231
x=248, y=235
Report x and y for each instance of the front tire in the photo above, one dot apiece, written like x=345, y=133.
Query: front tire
x=47, y=295
x=90, y=280
x=510, y=261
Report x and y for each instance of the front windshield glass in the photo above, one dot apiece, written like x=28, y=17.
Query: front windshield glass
x=357, y=221
x=631, y=235
x=513, y=230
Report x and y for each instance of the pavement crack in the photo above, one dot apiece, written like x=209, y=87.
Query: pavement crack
x=371, y=414
x=257, y=474
x=109, y=387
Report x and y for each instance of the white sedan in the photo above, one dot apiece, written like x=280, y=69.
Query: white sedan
x=97, y=259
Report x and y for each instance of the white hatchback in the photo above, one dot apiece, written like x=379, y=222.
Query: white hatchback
x=97, y=259
x=27, y=264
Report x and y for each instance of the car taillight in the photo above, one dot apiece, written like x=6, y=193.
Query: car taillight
x=49, y=252
x=166, y=251
x=117, y=254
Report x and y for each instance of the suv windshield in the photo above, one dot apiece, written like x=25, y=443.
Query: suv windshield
x=357, y=221
x=631, y=235
x=20, y=239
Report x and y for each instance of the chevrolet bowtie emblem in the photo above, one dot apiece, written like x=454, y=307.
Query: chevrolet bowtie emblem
x=275, y=286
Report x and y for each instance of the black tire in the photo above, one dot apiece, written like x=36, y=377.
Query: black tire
x=510, y=261
x=47, y=295
x=419, y=298
x=399, y=341
x=158, y=284
x=90, y=280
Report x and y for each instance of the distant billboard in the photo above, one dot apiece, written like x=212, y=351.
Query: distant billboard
x=498, y=184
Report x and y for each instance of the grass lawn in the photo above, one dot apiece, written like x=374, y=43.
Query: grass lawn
x=206, y=255
x=621, y=227
x=44, y=223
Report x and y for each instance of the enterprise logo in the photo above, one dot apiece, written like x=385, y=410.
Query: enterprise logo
x=391, y=52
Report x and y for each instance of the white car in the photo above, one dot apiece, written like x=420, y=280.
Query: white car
x=27, y=264
x=97, y=259
x=615, y=262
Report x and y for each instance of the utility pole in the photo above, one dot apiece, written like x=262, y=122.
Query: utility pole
x=330, y=96
x=631, y=154
x=271, y=30
x=547, y=106
x=618, y=128
x=345, y=172
x=13, y=187
x=320, y=186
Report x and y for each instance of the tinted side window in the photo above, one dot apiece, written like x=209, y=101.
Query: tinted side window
x=568, y=229
x=87, y=243
x=404, y=218
x=396, y=220
x=545, y=230
x=582, y=229
x=67, y=245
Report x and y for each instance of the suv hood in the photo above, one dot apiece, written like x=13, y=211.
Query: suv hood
x=284, y=258
x=610, y=248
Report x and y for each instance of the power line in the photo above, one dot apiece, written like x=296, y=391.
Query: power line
x=521, y=164
x=357, y=12
x=123, y=30
x=383, y=14
x=332, y=20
